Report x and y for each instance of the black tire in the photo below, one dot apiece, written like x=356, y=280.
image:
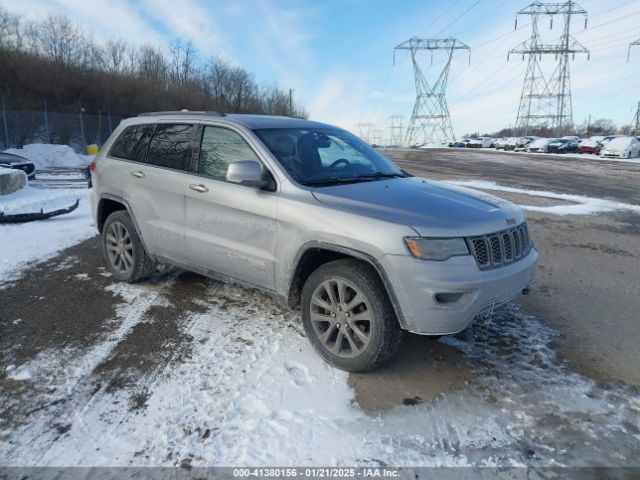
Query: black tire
x=142, y=265
x=385, y=334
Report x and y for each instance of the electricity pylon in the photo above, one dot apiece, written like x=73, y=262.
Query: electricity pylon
x=365, y=131
x=547, y=103
x=395, y=130
x=430, y=120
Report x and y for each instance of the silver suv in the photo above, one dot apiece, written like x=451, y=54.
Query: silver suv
x=313, y=216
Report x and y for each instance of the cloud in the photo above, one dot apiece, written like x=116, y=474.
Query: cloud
x=188, y=20
x=102, y=18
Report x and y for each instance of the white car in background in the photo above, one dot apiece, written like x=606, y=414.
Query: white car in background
x=539, y=145
x=482, y=142
x=511, y=144
x=621, y=147
x=523, y=143
x=501, y=142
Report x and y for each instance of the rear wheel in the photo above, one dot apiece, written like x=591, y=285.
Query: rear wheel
x=348, y=317
x=123, y=251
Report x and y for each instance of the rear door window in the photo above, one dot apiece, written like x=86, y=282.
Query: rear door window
x=171, y=146
x=132, y=143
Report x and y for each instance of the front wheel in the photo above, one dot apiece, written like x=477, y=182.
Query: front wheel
x=348, y=318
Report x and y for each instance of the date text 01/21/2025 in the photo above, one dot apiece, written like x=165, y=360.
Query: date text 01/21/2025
x=330, y=472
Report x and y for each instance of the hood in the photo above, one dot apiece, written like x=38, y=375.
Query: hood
x=431, y=208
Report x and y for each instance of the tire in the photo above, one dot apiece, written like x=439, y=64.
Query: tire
x=123, y=251
x=330, y=321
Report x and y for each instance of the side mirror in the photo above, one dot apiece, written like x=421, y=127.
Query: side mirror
x=247, y=172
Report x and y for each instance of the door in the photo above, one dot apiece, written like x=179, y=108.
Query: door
x=158, y=200
x=231, y=229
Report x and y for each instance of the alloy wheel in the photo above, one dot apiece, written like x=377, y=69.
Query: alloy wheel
x=341, y=317
x=119, y=247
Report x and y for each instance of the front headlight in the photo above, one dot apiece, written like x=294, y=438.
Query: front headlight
x=436, y=248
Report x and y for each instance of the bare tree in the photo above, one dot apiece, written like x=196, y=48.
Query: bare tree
x=62, y=42
x=152, y=65
x=10, y=31
x=115, y=55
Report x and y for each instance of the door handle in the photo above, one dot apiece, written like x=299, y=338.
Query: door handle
x=137, y=174
x=198, y=188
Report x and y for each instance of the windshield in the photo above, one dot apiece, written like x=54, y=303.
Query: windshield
x=316, y=156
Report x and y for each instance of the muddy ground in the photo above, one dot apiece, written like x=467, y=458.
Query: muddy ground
x=588, y=284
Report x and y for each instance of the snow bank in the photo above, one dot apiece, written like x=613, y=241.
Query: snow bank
x=25, y=243
x=582, y=205
x=45, y=156
x=32, y=200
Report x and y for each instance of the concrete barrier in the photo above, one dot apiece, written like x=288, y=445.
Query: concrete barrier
x=11, y=180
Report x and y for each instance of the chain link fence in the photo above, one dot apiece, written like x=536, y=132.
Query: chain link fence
x=75, y=128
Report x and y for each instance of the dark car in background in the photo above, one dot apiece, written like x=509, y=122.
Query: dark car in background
x=9, y=160
x=563, y=145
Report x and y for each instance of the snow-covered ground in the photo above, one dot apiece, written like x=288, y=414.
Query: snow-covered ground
x=24, y=243
x=251, y=391
x=571, y=204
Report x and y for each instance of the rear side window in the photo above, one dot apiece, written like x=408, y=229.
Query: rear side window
x=171, y=146
x=132, y=143
x=219, y=148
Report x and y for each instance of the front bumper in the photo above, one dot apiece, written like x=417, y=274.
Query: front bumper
x=613, y=154
x=419, y=285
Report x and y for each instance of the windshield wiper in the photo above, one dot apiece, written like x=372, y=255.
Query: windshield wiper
x=331, y=181
x=381, y=175
x=360, y=178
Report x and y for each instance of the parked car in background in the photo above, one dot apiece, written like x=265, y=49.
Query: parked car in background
x=607, y=139
x=16, y=162
x=500, y=143
x=464, y=143
x=621, y=147
x=563, y=145
x=591, y=145
x=539, y=145
x=511, y=144
x=523, y=142
x=482, y=142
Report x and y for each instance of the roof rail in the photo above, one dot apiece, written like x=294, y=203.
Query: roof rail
x=182, y=112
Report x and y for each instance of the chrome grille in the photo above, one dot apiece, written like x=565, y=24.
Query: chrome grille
x=500, y=248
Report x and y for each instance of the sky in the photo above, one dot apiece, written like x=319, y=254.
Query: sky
x=337, y=55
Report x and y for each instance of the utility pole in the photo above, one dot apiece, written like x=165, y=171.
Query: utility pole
x=46, y=121
x=547, y=103
x=291, y=101
x=430, y=120
x=6, y=125
x=395, y=130
x=635, y=123
x=84, y=138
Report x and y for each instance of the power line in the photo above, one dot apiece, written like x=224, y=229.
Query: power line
x=458, y=17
